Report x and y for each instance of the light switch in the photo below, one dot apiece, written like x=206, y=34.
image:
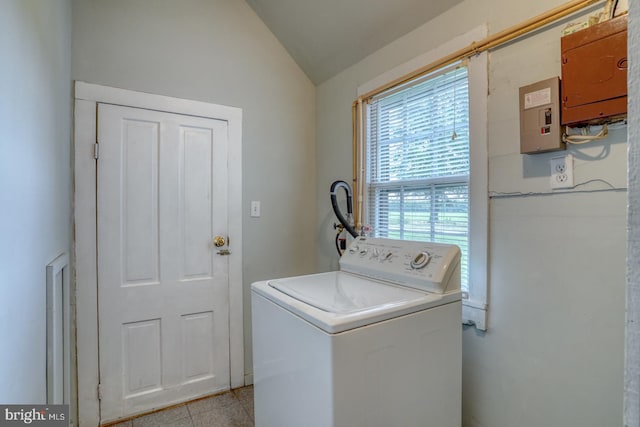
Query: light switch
x=255, y=209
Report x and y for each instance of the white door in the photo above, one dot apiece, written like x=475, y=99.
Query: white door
x=163, y=288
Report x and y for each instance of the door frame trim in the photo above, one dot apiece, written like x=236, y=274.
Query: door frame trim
x=86, y=97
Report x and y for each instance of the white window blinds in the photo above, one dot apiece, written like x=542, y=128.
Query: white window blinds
x=418, y=162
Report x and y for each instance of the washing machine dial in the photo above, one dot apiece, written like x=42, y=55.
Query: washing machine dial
x=353, y=249
x=420, y=260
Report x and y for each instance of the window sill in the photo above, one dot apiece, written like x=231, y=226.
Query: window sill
x=474, y=313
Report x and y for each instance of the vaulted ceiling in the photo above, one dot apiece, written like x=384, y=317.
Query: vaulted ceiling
x=327, y=36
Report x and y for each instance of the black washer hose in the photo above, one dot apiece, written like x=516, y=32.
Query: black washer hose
x=336, y=209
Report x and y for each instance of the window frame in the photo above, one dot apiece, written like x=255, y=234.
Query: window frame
x=385, y=114
x=474, y=303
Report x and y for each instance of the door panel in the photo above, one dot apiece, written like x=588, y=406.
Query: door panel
x=163, y=290
x=196, y=199
x=141, y=364
x=139, y=208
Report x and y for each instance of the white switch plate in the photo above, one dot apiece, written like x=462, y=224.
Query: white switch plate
x=255, y=209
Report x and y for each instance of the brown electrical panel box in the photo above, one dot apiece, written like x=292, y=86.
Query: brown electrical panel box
x=540, y=129
x=594, y=73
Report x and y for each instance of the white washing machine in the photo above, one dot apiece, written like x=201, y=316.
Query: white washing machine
x=376, y=344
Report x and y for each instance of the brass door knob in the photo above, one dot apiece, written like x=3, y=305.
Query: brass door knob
x=219, y=241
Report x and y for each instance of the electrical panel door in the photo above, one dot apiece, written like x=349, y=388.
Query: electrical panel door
x=594, y=73
x=540, y=129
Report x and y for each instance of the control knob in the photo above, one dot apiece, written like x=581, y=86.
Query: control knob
x=420, y=260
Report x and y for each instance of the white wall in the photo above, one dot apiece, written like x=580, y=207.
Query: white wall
x=553, y=354
x=35, y=182
x=219, y=51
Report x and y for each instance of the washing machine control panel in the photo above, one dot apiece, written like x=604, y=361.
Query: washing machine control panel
x=432, y=267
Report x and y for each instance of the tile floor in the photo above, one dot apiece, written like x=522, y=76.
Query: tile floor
x=231, y=409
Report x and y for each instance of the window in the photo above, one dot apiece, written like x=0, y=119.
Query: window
x=418, y=162
x=422, y=160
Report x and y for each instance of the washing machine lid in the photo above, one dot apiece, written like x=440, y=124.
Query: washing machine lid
x=344, y=293
x=339, y=301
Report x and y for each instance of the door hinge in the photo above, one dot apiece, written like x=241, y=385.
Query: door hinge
x=96, y=151
x=99, y=391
